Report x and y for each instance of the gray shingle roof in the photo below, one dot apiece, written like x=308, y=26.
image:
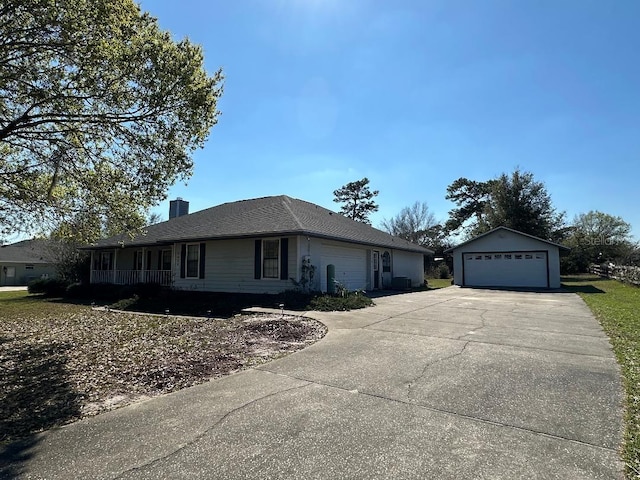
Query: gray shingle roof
x=26, y=251
x=261, y=217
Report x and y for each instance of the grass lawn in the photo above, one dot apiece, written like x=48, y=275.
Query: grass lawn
x=61, y=361
x=435, y=283
x=617, y=306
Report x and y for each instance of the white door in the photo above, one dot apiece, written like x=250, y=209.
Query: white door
x=506, y=269
x=350, y=266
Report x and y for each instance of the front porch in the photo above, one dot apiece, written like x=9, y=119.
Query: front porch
x=142, y=265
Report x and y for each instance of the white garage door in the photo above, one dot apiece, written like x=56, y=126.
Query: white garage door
x=505, y=269
x=350, y=265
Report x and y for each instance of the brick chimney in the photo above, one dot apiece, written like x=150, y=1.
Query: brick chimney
x=178, y=208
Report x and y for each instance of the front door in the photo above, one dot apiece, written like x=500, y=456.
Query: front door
x=376, y=269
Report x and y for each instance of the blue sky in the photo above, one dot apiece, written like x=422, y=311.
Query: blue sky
x=415, y=94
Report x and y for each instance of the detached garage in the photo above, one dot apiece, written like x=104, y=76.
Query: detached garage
x=507, y=258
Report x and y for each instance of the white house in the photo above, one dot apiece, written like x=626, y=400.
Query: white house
x=507, y=258
x=259, y=246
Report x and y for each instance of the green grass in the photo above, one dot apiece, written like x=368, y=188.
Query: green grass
x=435, y=283
x=617, y=307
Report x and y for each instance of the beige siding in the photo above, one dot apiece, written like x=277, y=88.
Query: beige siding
x=229, y=267
x=408, y=264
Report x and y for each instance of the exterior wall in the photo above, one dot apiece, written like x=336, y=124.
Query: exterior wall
x=24, y=275
x=408, y=264
x=506, y=241
x=229, y=267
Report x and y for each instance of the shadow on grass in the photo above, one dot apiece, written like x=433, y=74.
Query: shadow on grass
x=582, y=288
x=35, y=395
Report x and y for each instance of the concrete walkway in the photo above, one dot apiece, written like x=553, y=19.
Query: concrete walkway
x=448, y=384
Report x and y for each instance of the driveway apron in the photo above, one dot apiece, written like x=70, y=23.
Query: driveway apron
x=447, y=384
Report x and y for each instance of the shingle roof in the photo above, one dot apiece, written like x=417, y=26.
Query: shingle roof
x=26, y=251
x=262, y=217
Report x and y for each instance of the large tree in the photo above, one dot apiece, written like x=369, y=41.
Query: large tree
x=414, y=223
x=357, y=200
x=597, y=237
x=100, y=112
x=513, y=200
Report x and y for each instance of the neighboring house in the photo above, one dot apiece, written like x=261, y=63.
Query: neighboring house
x=507, y=258
x=24, y=261
x=258, y=246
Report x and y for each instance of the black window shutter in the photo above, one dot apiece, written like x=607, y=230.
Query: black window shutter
x=160, y=260
x=135, y=260
x=203, y=251
x=183, y=260
x=284, y=258
x=148, y=259
x=257, y=271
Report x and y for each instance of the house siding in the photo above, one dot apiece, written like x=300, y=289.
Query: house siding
x=407, y=264
x=229, y=267
x=23, y=275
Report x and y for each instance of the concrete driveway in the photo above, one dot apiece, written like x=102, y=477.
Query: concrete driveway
x=448, y=384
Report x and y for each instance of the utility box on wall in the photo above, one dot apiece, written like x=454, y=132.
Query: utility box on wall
x=401, y=283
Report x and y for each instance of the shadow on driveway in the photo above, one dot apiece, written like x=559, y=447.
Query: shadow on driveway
x=35, y=395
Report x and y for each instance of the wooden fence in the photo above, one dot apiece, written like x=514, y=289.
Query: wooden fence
x=624, y=273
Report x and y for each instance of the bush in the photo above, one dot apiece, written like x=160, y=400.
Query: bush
x=50, y=287
x=125, y=303
x=443, y=271
x=78, y=290
x=330, y=303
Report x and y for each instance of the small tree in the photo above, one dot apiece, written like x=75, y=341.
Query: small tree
x=598, y=237
x=357, y=200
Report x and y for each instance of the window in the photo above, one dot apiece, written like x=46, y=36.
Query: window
x=270, y=258
x=28, y=267
x=518, y=256
x=478, y=257
x=497, y=257
x=103, y=261
x=386, y=262
x=193, y=260
x=528, y=257
x=165, y=260
x=137, y=260
x=487, y=257
x=507, y=256
x=469, y=257
x=539, y=256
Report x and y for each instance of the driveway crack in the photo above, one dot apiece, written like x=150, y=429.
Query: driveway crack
x=431, y=364
x=209, y=429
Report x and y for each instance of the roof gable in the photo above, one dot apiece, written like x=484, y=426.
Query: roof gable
x=495, y=230
x=261, y=217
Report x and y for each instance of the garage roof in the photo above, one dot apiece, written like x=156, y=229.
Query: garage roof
x=561, y=247
x=262, y=217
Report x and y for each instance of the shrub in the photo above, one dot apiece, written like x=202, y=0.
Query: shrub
x=78, y=290
x=125, y=303
x=50, y=287
x=350, y=301
x=443, y=271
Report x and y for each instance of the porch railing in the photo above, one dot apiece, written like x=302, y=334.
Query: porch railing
x=131, y=277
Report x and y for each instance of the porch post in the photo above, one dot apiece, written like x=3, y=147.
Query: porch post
x=115, y=264
x=91, y=269
x=143, y=271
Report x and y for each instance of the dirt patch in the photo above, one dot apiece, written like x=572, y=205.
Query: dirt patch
x=60, y=368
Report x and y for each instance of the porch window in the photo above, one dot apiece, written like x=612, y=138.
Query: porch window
x=137, y=260
x=270, y=258
x=193, y=260
x=165, y=260
x=103, y=261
